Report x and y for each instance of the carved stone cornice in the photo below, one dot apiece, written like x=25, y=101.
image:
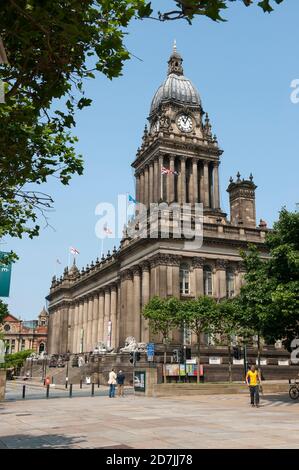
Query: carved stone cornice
x=165, y=259
x=136, y=270
x=145, y=266
x=126, y=275
x=221, y=264
x=198, y=262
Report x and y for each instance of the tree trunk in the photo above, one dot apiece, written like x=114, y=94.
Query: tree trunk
x=164, y=365
x=230, y=375
x=259, y=353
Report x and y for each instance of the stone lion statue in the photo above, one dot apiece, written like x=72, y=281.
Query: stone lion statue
x=102, y=348
x=132, y=345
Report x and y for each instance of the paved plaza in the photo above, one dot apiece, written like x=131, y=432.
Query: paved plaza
x=222, y=421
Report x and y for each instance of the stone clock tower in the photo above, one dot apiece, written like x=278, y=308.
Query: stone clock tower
x=103, y=302
x=180, y=139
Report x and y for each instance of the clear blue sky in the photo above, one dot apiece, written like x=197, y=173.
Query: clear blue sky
x=242, y=68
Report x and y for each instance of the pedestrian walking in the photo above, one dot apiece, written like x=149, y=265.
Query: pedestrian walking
x=120, y=383
x=253, y=382
x=112, y=383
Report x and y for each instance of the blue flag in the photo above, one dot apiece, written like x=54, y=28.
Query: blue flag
x=131, y=199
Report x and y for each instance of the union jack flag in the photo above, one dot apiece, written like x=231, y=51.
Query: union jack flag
x=74, y=251
x=167, y=171
x=107, y=230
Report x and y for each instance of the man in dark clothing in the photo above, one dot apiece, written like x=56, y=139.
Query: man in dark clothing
x=120, y=383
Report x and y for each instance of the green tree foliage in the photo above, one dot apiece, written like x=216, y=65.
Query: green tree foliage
x=3, y=310
x=162, y=317
x=199, y=315
x=270, y=296
x=16, y=360
x=52, y=48
x=189, y=9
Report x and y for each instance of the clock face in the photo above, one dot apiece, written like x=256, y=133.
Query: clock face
x=185, y=123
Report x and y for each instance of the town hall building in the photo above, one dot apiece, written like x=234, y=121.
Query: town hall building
x=177, y=162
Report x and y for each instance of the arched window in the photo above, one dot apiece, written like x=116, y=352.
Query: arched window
x=230, y=284
x=207, y=281
x=41, y=348
x=184, y=279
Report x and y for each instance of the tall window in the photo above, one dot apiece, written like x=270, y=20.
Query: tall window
x=13, y=346
x=207, y=281
x=230, y=284
x=184, y=279
x=22, y=345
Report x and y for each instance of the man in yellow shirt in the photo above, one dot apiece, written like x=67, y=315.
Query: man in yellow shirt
x=253, y=382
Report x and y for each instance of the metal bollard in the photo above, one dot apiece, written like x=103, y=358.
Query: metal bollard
x=66, y=382
x=98, y=383
x=24, y=391
x=81, y=383
x=71, y=391
x=92, y=389
x=48, y=390
x=52, y=379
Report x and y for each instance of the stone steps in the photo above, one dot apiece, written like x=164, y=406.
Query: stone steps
x=161, y=390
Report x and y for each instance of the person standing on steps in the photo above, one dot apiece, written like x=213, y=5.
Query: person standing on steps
x=112, y=383
x=253, y=382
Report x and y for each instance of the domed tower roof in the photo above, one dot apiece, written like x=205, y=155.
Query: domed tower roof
x=176, y=88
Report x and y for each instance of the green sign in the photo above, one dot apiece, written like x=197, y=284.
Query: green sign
x=5, y=275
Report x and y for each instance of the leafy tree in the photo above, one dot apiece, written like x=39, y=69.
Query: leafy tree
x=270, y=296
x=162, y=314
x=3, y=310
x=199, y=315
x=48, y=51
x=16, y=360
x=228, y=325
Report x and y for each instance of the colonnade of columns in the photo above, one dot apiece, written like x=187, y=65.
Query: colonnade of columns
x=190, y=181
x=114, y=312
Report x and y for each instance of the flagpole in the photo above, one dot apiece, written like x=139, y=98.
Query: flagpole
x=69, y=258
x=102, y=247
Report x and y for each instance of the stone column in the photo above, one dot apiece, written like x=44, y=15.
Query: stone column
x=198, y=264
x=118, y=315
x=141, y=188
x=130, y=305
x=101, y=315
x=160, y=178
x=151, y=183
x=136, y=320
x=146, y=186
x=182, y=181
x=113, y=314
x=76, y=327
x=107, y=314
x=171, y=177
x=71, y=325
x=81, y=325
x=85, y=322
x=145, y=296
x=89, y=324
x=206, y=201
x=123, y=308
x=195, y=181
x=220, y=289
x=95, y=320
x=50, y=335
x=216, y=198
x=156, y=180
x=201, y=184
x=137, y=191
